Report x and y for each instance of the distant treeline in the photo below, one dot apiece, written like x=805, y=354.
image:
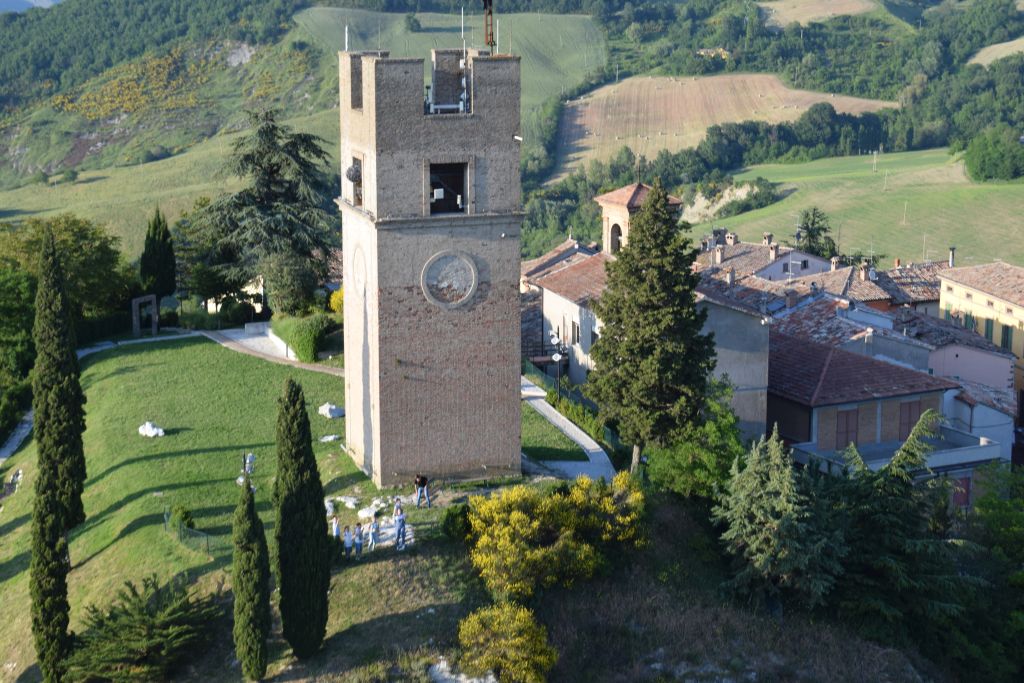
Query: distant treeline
x=44, y=53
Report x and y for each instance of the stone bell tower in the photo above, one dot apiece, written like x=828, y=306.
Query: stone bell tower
x=431, y=214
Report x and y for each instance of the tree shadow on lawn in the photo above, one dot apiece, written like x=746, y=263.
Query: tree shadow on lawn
x=344, y=481
x=238, y=448
x=14, y=566
x=136, y=524
x=374, y=639
x=32, y=674
x=13, y=524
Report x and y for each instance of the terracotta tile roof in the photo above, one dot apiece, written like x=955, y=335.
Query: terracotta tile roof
x=631, y=196
x=973, y=393
x=565, y=253
x=818, y=375
x=745, y=258
x=913, y=283
x=998, y=279
x=866, y=289
x=580, y=282
x=937, y=332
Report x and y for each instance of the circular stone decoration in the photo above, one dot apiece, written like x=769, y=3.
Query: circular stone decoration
x=449, y=279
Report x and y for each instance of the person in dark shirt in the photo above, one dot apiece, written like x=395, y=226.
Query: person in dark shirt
x=421, y=490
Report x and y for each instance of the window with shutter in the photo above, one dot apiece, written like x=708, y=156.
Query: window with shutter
x=846, y=428
x=910, y=413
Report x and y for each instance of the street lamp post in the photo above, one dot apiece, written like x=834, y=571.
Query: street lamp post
x=560, y=349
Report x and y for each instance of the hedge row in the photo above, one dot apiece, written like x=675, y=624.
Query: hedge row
x=304, y=336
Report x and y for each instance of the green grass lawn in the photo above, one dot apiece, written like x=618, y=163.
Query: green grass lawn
x=541, y=441
x=943, y=207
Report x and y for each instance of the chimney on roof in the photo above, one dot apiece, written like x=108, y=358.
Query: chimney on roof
x=732, y=239
x=897, y=262
x=773, y=251
x=717, y=254
x=791, y=298
x=766, y=239
x=835, y=263
x=730, y=277
x=862, y=272
x=719, y=235
x=952, y=256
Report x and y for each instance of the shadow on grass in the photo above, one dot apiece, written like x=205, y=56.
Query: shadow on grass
x=14, y=566
x=13, y=524
x=135, y=525
x=344, y=481
x=32, y=673
x=239, y=448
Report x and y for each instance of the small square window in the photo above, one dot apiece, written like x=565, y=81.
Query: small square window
x=805, y=264
x=949, y=288
x=990, y=304
x=1009, y=310
x=785, y=267
x=447, y=188
x=969, y=296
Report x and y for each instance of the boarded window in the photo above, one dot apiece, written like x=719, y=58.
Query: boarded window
x=846, y=428
x=910, y=413
x=447, y=188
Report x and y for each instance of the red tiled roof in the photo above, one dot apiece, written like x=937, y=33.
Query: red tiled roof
x=913, y=283
x=998, y=279
x=817, y=375
x=579, y=282
x=631, y=196
x=973, y=393
x=937, y=332
x=565, y=253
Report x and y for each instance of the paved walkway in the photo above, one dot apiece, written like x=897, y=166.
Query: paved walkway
x=262, y=346
x=597, y=465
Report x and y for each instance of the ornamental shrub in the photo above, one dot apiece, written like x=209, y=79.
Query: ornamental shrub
x=337, y=301
x=455, y=522
x=181, y=515
x=290, y=282
x=507, y=640
x=304, y=336
x=144, y=634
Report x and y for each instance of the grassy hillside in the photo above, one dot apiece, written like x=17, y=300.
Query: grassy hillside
x=987, y=55
x=942, y=207
x=653, y=113
x=784, y=12
x=161, y=104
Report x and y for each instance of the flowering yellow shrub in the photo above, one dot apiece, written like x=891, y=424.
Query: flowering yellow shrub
x=523, y=539
x=506, y=639
x=337, y=300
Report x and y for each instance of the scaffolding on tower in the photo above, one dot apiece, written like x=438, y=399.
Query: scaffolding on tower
x=489, y=24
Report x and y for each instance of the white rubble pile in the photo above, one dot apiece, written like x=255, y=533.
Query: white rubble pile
x=150, y=430
x=331, y=411
x=442, y=673
x=329, y=438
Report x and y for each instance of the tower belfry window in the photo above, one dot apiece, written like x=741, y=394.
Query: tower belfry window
x=447, y=188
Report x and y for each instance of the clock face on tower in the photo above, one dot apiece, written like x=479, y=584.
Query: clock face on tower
x=449, y=279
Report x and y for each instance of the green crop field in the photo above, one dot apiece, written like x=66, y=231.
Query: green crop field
x=915, y=206
x=555, y=51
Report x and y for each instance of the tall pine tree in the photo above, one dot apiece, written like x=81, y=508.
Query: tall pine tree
x=772, y=532
x=157, y=268
x=57, y=505
x=302, y=564
x=251, y=579
x=652, y=362
x=57, y=396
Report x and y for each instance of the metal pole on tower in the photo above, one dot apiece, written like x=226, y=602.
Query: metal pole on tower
x=463, y=22
x=346, y=37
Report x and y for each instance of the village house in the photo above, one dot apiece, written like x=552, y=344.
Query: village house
x=824, y=398
x=571, y=279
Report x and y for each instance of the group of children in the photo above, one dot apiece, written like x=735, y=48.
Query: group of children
x=353, y=540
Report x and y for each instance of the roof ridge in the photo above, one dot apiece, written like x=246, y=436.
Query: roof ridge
x=821, y=377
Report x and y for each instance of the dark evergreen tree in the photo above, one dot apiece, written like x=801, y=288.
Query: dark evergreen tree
x=302, y=564
x=57, y=396
x=48, y=571
x=251, y=579
x=652, y=360
x=157, y=268
x=781, y=549
x=280, y=210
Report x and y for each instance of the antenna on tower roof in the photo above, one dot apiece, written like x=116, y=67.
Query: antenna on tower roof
x=489, y=24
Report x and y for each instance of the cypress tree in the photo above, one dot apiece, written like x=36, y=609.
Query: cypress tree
x=302, y=564
x=652, y=361
x=251, y=577
x=157, y=268
x=57, y=506
x=772, y=531
x=57, y=396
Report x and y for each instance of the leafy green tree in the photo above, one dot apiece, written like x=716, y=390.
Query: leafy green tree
x=17, y=311
x=280, y=210
x=251, y=578
x=412, y=24
x=98, y=279
x=302, y=564
x=57, y=396
x=144, y=634
x=697, y=464
x=157, y=266
x=652, y=360
x=289, y=282
x=813, y=234
x=780, y=548
x=995, y=154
